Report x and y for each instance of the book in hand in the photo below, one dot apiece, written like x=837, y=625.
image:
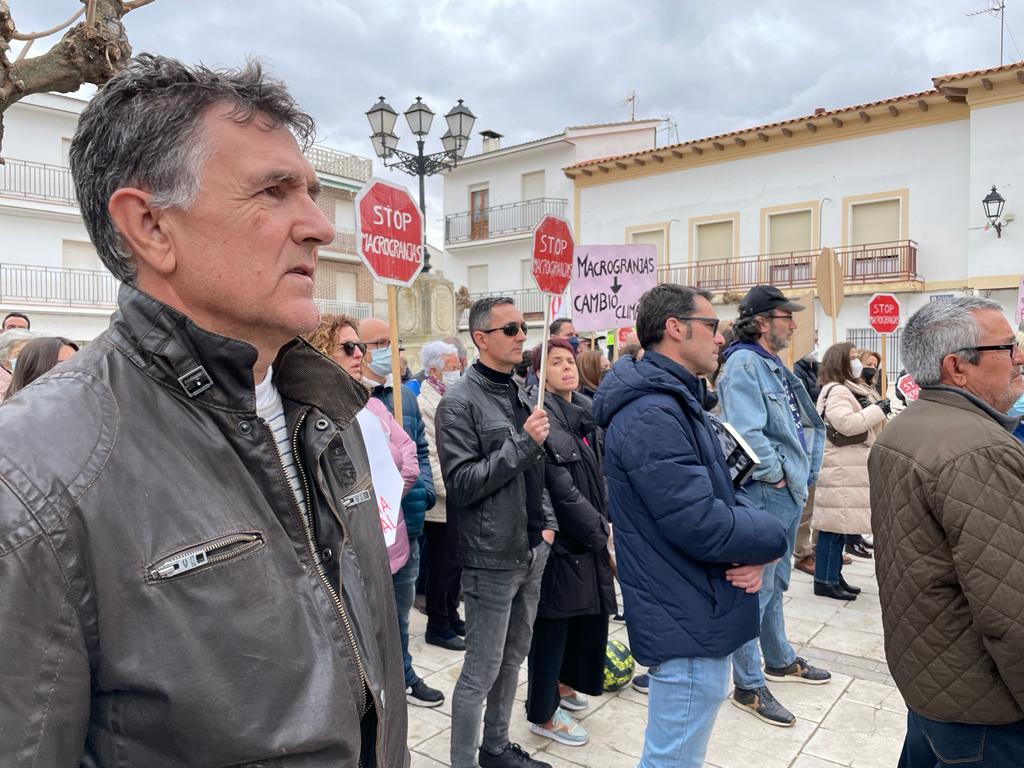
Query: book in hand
x=739, y=456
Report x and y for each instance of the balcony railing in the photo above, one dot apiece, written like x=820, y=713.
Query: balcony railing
x=529, y=301
x=354, y=309
x=37, y=181
x=871, y=263
x=56, y=286
x=340, y=163
x=500, y=220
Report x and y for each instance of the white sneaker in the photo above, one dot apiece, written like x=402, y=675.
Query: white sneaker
x=575, y=702
x=564, y=729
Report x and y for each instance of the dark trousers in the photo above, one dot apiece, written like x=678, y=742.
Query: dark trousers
x=828, y=557
x=933, y=744
x=444, y=576
x=570, y=651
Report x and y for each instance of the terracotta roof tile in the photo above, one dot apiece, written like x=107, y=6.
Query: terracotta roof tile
x=975, y=73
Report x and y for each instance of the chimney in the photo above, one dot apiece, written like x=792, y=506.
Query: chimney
x=491, y=141
x=819, y=111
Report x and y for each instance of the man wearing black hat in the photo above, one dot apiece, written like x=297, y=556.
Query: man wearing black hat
x=771, y=409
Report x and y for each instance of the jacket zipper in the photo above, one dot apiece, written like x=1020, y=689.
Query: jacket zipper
x=211, y=553
x=314, y=555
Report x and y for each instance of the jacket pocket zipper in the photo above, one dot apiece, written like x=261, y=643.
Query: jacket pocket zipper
x=210, y=553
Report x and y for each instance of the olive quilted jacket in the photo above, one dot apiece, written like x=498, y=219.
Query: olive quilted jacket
x=947, y=509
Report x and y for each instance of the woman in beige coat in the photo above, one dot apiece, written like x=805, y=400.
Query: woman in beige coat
x=841, y=497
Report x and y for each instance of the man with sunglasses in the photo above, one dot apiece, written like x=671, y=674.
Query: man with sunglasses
x=490, y=441
x=766, y=403
x=947, y=510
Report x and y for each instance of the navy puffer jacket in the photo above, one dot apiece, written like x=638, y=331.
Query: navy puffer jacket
x=421, y=496
x=678, y=522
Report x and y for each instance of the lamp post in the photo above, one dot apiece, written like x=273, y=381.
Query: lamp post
x=993, y=204
x=419, y=117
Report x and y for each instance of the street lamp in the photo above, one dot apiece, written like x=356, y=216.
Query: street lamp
x=993, y=205
x=420, y=117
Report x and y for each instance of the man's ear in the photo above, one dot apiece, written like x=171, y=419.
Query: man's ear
x=139, y=225
x=951, y=371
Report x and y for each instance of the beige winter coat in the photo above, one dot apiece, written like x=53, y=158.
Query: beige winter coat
x=841, y=498
x=428, y=401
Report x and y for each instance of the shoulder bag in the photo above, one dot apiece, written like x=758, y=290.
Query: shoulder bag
x=837, y=438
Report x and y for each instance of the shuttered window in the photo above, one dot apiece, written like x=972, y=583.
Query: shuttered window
x=715, y=241
x=875, y=222
x=478, y=278
x=789, y=232
x=533, y=185
x=79, y=255
x=345, y=286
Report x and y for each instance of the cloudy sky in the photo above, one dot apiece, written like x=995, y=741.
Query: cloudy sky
x=529, y=68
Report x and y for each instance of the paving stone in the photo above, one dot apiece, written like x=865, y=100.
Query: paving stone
x=865, y=645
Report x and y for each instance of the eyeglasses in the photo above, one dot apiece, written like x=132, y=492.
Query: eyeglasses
x=509, y=329
x=350, y=347
x=1011, y=347
x=710, y=322
x=381, y=344
x=780, y=317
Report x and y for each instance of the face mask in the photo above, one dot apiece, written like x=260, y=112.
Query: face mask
x=869, y=374
x=450, y=377
x=857, y=367
x=1017, y=409
x=574, y=342
x=380, y=361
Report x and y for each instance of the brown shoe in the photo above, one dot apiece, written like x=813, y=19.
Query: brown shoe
x=805, y=564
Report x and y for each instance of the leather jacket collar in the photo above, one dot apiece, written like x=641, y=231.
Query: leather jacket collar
x=216, y=370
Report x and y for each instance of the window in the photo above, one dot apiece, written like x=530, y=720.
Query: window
x=65, y=151
x=533, y=185
x=79, y=255
x=714, y=241
x=479, y=201
x=655, y=237
x=346, y=286
x=790, y=231
x=877, y=222
x=526, y=273
x=344, y=215
x=478, y=278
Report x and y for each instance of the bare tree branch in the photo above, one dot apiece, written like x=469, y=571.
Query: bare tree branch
x=47, y=32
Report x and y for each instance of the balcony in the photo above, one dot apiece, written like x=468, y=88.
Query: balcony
x=344, y=241
x=342, y=164
x=529, y=301
x=500, y=220
x=872, y=263
x=354, y=309
x=37, y=181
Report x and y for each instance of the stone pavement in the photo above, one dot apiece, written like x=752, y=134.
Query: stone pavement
x=857, y=720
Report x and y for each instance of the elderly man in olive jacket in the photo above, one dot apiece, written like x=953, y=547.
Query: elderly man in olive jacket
x=947, y=509
x=192, y=571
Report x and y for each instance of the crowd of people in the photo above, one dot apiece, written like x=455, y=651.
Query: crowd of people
x=211, y=563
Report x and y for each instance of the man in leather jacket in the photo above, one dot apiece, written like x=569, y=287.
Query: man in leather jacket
x=190, y=551
x=490, y=440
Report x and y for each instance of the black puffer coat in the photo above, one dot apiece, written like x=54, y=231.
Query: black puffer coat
x=578, y=579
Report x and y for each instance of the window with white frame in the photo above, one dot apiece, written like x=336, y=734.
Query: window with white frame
x=478, y=278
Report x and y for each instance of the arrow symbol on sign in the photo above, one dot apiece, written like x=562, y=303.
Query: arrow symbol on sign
x=615, y=285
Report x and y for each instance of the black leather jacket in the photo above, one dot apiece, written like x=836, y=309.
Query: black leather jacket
x=482, y=458
x=163, y=601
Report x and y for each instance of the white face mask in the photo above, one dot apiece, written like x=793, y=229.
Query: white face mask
x=858, y=368
x=450, y=377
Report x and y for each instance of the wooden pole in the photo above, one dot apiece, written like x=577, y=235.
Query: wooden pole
x=882, y=373
x=542, y=373
x=396, y=365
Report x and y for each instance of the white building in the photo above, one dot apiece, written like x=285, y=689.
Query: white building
x=49, y=269
x=894, y=186
x=493, y=200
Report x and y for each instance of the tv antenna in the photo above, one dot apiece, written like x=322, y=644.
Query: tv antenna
x=631, y=100
x=995, y=8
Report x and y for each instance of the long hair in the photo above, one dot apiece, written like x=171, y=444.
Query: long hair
x=835, y=364
x=36, y=358
x=589, y=364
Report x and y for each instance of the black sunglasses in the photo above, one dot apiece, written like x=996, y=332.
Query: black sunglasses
x=710, y=322
x=349, y=347
x=1012, y=347
x=509, y=329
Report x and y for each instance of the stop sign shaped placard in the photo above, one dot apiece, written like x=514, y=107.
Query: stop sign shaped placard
x=389, y=228
x=884, y=313
x=553, y=250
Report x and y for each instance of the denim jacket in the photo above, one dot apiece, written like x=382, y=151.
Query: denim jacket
x=754, y=401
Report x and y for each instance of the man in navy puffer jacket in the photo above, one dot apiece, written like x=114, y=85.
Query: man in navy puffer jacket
x=690, y=549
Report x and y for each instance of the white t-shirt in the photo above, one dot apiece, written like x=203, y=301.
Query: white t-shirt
x=271, y=410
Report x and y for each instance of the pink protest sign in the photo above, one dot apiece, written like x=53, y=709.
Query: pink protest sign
x=607, y=283
x=1020, y=301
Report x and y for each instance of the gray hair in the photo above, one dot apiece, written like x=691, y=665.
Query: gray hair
x=10, y=339
x=433, y=354
x=144, y=129
x=938, y=329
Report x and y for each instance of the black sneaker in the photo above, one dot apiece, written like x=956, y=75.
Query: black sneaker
x=762, y=705
x=797, y=672
x=458, y=627
x=419, y=694
x=514, y=756
x=447, y=639
x=642, y=683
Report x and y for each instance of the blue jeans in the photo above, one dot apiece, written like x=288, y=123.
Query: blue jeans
x=828, y=557
x=746, y=660
x=932, y=744
x=684, y=698
x=405, y=592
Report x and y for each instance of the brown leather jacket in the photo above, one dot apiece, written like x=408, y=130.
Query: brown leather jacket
x=947, y=509
x=163, y=601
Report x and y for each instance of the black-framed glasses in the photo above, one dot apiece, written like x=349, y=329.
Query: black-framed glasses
x=1011, y=347
x=381, y=344
x=350, y=347
x=509, y=329
x=710, y=322
x=780, y=317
